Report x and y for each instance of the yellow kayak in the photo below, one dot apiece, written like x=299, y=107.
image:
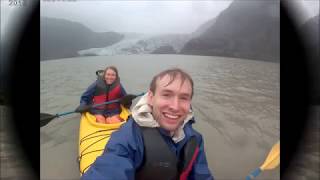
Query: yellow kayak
x=94, y=136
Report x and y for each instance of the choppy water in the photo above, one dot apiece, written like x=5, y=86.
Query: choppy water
x=236, y=105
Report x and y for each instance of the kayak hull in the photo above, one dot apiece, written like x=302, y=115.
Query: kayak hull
x=93, y=138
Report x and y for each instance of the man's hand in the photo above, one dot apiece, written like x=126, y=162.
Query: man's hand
x=126, y=100
x=82, y=108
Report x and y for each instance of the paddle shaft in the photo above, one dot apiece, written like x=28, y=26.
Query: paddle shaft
x=254, y=174
x=272, y=161
x=45, y=118
x=96, y=105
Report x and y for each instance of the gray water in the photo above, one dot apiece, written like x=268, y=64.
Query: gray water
x=236, y=104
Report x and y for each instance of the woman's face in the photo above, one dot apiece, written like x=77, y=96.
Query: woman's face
x=110, y=76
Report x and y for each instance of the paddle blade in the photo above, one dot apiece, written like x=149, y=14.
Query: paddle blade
x=45, y=118
x=273, y=158
x=99, y=72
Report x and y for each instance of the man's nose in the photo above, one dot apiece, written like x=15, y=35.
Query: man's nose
x=174, y=103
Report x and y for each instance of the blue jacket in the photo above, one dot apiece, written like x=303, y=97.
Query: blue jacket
x=87, y=97
x=124, y=154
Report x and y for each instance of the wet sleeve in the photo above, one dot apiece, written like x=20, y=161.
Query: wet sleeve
x=123, y=91
x=200, y=170
x=120, y=158
x=87, y=96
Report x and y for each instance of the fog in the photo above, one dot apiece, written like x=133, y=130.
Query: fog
x=310, y=7
x=136, y=16
x=150, y=16
x=302, y=10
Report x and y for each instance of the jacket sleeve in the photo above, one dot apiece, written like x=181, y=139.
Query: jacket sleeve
x=87, y=96
x=123, y=91
x=200, y=170
x=120, y=158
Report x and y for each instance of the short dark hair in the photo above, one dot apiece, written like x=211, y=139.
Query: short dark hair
x=172, y=73
x=112, y=68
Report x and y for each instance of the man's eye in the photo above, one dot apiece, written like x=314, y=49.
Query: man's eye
x=184, y=98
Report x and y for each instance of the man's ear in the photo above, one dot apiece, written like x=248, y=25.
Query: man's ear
x=149, y=99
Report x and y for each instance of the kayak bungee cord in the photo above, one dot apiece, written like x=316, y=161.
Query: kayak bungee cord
x=87, y=136
x=103, y=130
x=91, y=163
x=93, y=139
x=90, y=136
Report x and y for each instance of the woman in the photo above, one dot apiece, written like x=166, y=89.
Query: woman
x=106, y=88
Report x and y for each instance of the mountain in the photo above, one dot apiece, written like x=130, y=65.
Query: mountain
x=61, y=38
x=164, y=50
x=203, y=28
x=246, y=29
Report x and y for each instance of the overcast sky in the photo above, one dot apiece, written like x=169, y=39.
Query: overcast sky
x=303, y=9
x=137, y=16
x=153, y=16
x=311, y=7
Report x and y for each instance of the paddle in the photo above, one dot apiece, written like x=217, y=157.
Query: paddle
x=271, y=162
x=45, y=118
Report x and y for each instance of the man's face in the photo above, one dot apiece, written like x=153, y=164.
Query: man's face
x=170, y=104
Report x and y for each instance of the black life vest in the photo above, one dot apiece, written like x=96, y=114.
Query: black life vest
x=160, y=163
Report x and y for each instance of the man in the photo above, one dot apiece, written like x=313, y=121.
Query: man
x=158, y=141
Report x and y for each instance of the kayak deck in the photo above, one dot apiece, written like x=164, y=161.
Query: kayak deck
x=93, y=138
